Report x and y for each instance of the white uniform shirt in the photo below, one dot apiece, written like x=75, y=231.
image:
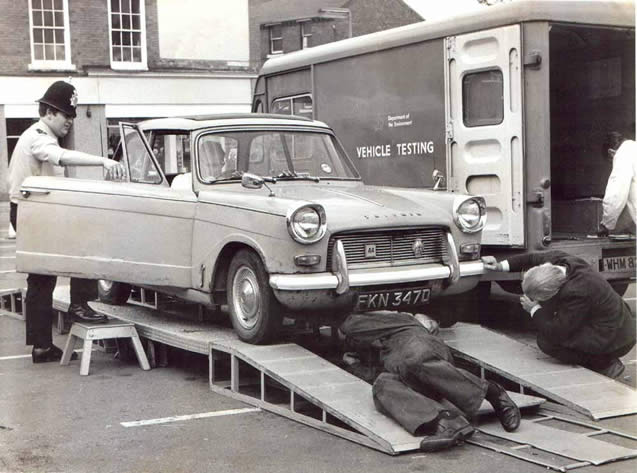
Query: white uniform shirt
x=35, y=154
x=621, y=190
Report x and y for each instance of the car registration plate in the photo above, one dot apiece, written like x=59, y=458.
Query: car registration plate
x=618, y=264
x=393, y=299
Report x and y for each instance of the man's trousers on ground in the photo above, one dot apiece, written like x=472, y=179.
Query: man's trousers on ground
x=422, y=381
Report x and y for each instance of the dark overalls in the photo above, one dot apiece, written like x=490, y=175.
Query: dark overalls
x=420, y=378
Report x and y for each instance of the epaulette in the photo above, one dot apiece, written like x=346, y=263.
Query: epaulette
x=42, y=132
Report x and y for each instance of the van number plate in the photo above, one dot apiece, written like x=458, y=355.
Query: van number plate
x=393, y=299
x=618, y=264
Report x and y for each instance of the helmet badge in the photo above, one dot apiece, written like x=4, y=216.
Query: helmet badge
x=74, y=99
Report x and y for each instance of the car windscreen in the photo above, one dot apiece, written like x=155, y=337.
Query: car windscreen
x=272, y=153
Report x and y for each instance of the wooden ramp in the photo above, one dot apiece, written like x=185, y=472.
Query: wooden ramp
x=583, y=390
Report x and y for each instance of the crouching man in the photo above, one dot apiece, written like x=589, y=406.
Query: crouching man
x=420, y=387
x=579, y=317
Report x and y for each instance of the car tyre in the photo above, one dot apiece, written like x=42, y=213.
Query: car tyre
x=254, y=310
x=111, y=292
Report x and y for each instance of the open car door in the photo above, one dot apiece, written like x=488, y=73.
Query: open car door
x=138, y=231
x=484, y=127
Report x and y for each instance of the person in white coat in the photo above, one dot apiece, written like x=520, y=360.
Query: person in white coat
x=621, y=189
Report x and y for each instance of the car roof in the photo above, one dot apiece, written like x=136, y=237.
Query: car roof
x=196, y=122
x=615, y=13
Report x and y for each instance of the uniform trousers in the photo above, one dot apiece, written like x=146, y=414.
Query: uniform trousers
x=39, y=300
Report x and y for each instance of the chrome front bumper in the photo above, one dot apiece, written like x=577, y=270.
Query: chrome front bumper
x=342, y=279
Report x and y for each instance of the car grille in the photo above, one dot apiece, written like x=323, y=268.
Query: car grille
x=391, y=247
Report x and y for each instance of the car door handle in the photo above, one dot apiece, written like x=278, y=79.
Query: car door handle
x=27, y=193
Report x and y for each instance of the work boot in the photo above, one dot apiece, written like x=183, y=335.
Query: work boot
x=614, y=369
x=506, y=410
x=51, y=353
x=83, y=313
x=451, y=430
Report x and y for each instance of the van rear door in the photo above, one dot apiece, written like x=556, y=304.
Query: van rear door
x=484, y=127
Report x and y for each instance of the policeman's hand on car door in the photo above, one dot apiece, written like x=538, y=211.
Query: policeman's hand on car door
x=114, y=170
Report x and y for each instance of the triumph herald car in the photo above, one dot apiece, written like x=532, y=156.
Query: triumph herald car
x=264, y=214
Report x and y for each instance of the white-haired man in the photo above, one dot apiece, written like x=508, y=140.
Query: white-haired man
x=580, y=318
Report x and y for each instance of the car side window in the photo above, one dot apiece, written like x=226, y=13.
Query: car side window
x=141, y=167
x=217, y=156
x=172, y=152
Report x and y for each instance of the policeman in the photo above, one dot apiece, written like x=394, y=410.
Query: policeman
x=36, y=152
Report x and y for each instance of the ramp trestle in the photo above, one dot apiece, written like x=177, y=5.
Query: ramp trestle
x=291, y=381
x=12, y=303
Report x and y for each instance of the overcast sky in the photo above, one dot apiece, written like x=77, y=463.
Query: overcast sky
x=429, y=9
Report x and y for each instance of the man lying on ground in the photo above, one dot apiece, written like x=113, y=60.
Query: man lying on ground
x=419, y=386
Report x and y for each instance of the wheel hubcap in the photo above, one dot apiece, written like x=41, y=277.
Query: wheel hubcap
x=246, y=297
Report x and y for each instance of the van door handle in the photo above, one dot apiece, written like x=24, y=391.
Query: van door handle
x=27, y=193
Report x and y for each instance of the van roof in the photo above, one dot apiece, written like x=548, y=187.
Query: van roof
x=591, y=12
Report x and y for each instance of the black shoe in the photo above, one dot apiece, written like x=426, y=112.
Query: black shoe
x=452, y=429
x=83, y=313
x=52, y=353
x=614, y=369
x=506, y=410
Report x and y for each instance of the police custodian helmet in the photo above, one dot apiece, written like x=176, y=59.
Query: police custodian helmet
x=62, y=96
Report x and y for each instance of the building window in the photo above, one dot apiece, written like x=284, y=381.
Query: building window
x=306, y=34
x=15, y=127
x=483, y=98
x=50, y=37
x=127, y=24
x=276, y=39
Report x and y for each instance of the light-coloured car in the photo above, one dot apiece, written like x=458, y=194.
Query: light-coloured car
x=262, y=213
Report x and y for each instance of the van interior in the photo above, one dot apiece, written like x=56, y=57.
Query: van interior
x=592, y=92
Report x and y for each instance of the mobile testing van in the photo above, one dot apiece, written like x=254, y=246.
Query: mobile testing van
x=511, y=102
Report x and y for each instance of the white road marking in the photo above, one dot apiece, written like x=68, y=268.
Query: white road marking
x=17, y=357
x=203, y=415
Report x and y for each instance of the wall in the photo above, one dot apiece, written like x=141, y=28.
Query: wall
x=203, y=30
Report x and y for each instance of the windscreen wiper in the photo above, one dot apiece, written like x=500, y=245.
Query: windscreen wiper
x=300, y=176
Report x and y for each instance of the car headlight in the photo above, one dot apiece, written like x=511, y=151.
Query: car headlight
x=470, y=214
x=307, y=224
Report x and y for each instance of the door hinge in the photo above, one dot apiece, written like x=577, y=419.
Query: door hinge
x=449, y=131
x=533, y=60
x=450, y=44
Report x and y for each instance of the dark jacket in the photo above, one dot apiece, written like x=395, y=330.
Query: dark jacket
x=586, y=314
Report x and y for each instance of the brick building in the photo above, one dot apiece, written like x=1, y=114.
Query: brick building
x=129, y=59
x=135, y=59
x=283, y=26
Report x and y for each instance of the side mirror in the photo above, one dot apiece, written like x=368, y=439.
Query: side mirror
x=438, y=178
x=251, y=181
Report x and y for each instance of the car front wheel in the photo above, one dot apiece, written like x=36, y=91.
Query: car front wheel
x=111, y=292
x=255, y=312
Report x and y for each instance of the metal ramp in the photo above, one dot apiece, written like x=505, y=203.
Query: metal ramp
x=286, y=379
x=582, y=390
